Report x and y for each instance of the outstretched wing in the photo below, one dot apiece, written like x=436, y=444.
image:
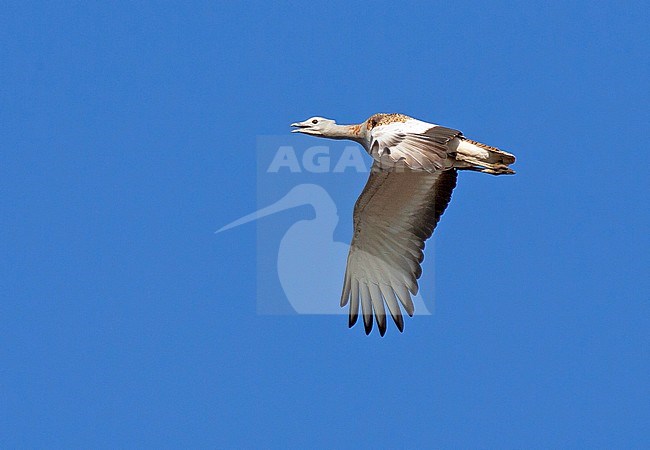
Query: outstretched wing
x=395, y=214
x=414, y=144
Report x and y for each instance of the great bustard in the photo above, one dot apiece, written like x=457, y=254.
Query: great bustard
x=413, y=174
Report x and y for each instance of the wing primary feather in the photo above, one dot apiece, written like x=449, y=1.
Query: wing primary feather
x=378, y=307
x=366, y=307
x=393, y=306
x=346, y=290
x=354, y=303
x=405, y=298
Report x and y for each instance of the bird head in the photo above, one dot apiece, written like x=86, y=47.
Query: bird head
x=316, y=126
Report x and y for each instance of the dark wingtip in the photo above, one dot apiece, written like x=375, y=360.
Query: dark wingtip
x=381, y=323
x=352, y=319
x=368, y=327
x=399, y=321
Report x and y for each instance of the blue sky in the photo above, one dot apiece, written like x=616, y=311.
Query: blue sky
x=128, y=135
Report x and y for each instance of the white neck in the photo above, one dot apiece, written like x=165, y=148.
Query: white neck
x=352, y=132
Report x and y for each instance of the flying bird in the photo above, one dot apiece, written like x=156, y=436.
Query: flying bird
x=415, y=166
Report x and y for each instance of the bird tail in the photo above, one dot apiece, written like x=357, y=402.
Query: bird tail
x=472, y=155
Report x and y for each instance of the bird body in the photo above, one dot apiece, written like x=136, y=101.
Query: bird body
x=399, y=140
x=414, y=172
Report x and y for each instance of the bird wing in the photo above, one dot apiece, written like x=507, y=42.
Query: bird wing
x=396, y=212
x=416, y=145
